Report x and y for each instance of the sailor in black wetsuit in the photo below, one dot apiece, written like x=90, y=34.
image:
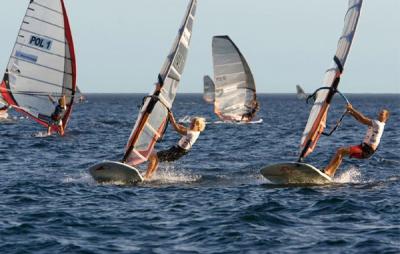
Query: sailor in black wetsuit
x=253, y=110
x=57, y=115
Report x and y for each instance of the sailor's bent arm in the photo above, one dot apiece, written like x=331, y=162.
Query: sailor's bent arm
x=179, y=128
x=361, y=118
x=51, y=98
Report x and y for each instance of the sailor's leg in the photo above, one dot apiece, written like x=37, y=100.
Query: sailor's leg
x=49, y=130
x=152, y=166
x=61, y=130
x=336, y=161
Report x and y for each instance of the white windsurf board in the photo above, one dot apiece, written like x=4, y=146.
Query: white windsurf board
x=112, y=171
x=294, y=173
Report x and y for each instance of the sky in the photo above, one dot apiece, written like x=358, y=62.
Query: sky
x=121, y=45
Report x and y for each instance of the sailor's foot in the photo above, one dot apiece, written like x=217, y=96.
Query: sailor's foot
x=326, y=172
x=147, y=177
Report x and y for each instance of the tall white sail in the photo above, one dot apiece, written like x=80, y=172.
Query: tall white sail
x=209, y=89
x=318, y=115
x=235, y=90
x=153, y=116
x=42, y=63
x=300, y=93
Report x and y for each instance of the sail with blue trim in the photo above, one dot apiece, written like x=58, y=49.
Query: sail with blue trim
x=42, y=63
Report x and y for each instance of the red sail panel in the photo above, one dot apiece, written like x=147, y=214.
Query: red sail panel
x=70, y=54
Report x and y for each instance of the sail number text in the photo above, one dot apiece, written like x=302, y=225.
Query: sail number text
x=40, y=42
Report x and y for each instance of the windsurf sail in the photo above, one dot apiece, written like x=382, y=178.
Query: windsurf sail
x=153, y=116
x=301, y=95
x=235, y=90
x=209, y=89
x=323, y=97
x=42, y=63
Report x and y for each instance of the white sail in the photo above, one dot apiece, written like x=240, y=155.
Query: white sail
x=209, y=89
x=317, y=120
x=301, y=95
x=235, y=90
x=42, y=62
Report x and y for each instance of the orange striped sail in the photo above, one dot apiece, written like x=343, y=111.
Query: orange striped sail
x=317, y=119
x=153, y=116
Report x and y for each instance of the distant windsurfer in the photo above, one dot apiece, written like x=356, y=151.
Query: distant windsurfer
x=57, y=115
x=190, y=135
x=369, y=145
x=253, y=109
x=82, y=98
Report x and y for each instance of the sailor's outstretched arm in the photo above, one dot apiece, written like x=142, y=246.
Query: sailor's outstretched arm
x=51, y=98
x=359, y=116
x=179, y=128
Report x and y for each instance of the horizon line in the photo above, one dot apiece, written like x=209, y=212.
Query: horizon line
x=272, y=93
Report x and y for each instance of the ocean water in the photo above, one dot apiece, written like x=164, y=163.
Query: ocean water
x=213, y=200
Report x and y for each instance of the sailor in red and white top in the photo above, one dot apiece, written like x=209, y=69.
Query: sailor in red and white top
x=370, y=143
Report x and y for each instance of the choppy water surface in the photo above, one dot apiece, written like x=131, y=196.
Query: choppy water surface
x=212, y=201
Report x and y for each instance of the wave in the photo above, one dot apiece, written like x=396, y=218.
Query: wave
x=82, y=178
x=351, y=175
x=259, y=121
x=169, y=175
x=188, y=119
x=41, y=134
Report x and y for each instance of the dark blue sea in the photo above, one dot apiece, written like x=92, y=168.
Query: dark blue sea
x=213, y=200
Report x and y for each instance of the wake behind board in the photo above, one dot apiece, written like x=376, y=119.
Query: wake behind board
x=111, y=171
x=294, y=173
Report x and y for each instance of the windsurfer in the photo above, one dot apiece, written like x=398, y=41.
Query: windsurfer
x=190, y=135
x=368, y=146
x=253, y=110
x=57, y=115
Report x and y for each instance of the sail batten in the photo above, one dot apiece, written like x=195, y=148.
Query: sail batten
x=45, y=7
x=153, y=117
x=40, y=65
x=317, y=119
x=43, y=51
